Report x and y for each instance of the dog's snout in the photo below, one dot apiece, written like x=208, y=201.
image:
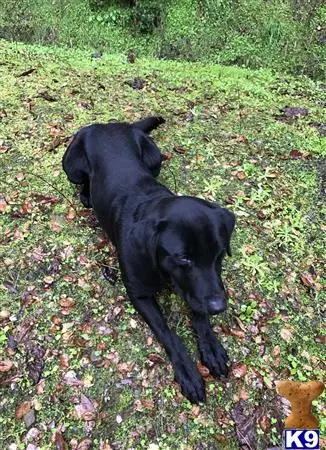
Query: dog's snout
x=216, y=305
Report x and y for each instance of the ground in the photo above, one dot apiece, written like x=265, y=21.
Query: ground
x=78, y=367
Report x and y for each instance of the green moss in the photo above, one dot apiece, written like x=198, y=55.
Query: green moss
x=226, y=120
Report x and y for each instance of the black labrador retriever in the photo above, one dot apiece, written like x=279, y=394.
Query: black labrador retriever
x=159, y=236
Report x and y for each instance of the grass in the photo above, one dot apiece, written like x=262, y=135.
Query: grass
x=285, y=36
x=237, y=149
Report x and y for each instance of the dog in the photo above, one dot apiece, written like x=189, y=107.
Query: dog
x=160, y=237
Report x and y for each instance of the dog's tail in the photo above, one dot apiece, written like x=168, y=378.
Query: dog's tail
x=149, y=124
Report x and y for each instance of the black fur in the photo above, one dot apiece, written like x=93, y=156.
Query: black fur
x=159, y=236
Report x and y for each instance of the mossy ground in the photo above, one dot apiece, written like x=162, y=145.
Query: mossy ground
x=228, y=142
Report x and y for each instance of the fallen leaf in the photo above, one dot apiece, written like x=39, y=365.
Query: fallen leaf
x=86, y=444
x=136, y=83
x=58, y=440
x=240, y=175
x=180, y=150
x=307, y=279
x=70, y=378
x=55, y=143
x=55, y=225
x=26, y=72
x=85, y=410
x=67, y=302
x=40, y=388
x=4, y=315
x=154, y=357
x=133, y=323
x=239, y=370
x=242, y=139
x=321, y=339
x=64, y=361
x=23, y=409
x=295, y=154
x=47, y=96
x=71, y=213
x=167, y=156
x=203, y=370
x=244, y=416
x=3, y=204
x=276, y=350
x=286, y=334
x=35, y=354
x=294, y=112
x=264, y=423
x=20, y=176
x=26, y=207
x=195, y=410
x=6, y=365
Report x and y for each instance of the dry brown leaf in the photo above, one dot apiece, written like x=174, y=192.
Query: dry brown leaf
x=71, y=213
x=26, y=207
x=242, y=139
x=64, y=361
x=3, y=205
x=286, y=334
x=40, y=387
x=86, y=444
x=154, y=357
x=58, y=440
x=240, y=175
x=276, y=350
x=4, y=315
x=203, y=370
x=239, y=370
x=55, y=226
x=307, y=279
x=67, y=302
x=6, y=365
x=105, y=446
x=195, y=410
x=23, y=409
x=71, y=379
x=20, y=176
x=85, y=410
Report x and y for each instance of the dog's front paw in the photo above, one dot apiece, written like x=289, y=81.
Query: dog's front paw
x=191, y=383
x=213, y=356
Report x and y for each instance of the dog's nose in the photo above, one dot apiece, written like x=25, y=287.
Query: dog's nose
x=216, y=305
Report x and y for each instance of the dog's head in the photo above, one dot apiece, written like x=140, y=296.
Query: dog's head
x=191, y=243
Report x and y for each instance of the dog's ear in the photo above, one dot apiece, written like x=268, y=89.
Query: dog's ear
x=149, y=123
x=225, y=226
x=151, y=155
x=144, y=237
x=75, y=162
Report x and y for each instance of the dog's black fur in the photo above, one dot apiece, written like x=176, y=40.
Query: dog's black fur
x=159, y=236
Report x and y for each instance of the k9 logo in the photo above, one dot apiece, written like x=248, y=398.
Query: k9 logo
x=301, y=439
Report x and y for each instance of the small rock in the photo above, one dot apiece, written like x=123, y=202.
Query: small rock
x=32, y=447
x=33, y=434
x=29, y=418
